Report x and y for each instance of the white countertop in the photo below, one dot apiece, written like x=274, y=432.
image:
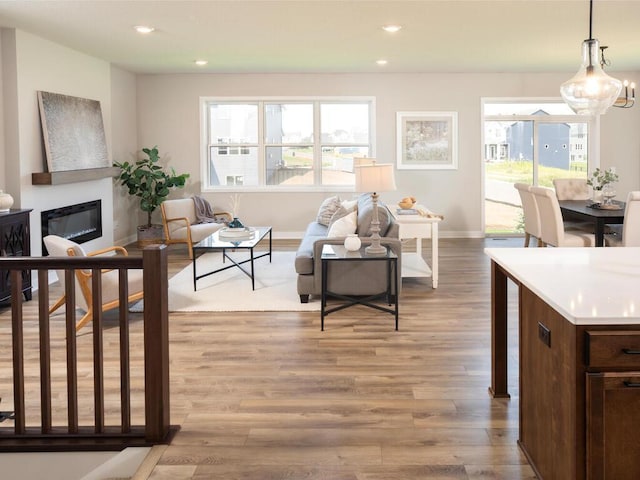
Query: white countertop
x=588, y=286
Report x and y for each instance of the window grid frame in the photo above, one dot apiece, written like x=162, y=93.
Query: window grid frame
x=262, y=145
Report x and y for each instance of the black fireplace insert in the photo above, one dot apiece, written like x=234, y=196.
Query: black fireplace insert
x=79, y=223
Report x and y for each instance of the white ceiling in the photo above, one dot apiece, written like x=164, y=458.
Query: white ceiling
x=336, y=36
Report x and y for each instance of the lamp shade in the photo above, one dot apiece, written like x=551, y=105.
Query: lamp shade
x=375, y=178
x=591, y=91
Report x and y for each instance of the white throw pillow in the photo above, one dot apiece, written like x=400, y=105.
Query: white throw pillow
x=349, y=204
x=343, y=225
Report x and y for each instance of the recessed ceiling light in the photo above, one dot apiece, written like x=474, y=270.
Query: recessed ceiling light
x=391, y=28
x=381, y=62
x=200, y=63
x=143, y=29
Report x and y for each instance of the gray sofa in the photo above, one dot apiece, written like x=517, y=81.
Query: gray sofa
x=347, y=278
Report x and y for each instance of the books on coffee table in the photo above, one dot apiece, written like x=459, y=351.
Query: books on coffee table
x=243, y=233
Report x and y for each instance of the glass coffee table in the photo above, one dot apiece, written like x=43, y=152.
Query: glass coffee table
x=218, y=242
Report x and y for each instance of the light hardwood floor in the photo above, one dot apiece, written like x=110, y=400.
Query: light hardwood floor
x=264, y=396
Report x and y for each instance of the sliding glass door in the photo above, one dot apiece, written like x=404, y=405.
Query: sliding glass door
x=530, y=143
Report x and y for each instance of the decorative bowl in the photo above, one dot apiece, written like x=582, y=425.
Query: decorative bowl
x=406, y=205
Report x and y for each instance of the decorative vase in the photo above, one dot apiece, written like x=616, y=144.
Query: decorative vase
x=352, y=242
x=597, y=196
x=6, y=201
x=235, y=223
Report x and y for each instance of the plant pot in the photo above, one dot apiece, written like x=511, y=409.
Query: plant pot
x=150, y=235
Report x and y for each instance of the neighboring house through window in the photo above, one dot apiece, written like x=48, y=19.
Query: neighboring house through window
x=285, y=143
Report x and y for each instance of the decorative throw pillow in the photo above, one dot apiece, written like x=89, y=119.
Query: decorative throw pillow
x=327, y=209
x=343, y=223
x=349, y=204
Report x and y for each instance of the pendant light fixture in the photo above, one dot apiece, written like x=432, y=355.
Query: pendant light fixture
x=591, y=91
x=627, y=98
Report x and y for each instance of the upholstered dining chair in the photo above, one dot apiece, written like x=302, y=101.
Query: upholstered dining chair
x=531, y=214
x=571, y=188
x=551, y=225
x=61, y=247
x=630, y=236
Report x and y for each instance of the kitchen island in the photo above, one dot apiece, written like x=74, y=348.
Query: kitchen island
x=579, y=352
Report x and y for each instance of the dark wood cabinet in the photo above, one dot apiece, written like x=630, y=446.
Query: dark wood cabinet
x=613, y=422
x=613, y=404
x=15, y=241
x=579, y=395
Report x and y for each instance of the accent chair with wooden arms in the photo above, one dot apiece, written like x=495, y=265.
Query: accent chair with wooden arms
x=551, y=225
x=181, y=223
x=61, y=247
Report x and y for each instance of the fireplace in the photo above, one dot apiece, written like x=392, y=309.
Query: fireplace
x=79, y=223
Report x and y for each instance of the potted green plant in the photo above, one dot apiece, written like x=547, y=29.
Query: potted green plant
x=600, y=179
x=152, y=183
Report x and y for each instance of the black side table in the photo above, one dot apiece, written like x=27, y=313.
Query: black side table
x=337, y=253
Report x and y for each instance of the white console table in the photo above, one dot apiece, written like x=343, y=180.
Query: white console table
x=419, y=227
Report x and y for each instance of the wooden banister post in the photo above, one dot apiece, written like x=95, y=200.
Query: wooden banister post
x=156, y=343
x=18, y=351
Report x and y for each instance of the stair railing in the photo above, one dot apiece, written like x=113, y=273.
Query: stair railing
x=37, y=431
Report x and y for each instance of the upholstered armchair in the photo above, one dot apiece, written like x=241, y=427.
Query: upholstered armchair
x=181, y=223
x=61, y=247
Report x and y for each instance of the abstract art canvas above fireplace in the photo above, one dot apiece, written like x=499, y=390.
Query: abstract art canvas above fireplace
x=73, y=132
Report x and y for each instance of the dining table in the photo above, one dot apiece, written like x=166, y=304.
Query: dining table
x=599, y=215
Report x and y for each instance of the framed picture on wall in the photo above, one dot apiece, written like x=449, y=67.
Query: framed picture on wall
x=427, y=140
x=73, y=132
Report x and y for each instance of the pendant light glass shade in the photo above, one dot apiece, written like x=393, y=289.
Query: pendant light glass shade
x=591, y=91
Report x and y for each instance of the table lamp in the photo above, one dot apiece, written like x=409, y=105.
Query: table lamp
x=374, y=178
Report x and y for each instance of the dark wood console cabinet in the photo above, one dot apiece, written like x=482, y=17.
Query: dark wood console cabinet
x=15, y=241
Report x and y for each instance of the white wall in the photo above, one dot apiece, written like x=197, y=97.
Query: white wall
x=9, y=171
x=124, y=146
x=168, y=116
x=43, y=65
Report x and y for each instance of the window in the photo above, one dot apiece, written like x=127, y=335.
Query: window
x=544, y=140
x=285, y=144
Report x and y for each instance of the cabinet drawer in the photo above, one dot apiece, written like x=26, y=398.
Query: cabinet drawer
x=613, y=349
x=414, y=230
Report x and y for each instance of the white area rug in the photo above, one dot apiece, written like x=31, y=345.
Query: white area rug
x=230, y=290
